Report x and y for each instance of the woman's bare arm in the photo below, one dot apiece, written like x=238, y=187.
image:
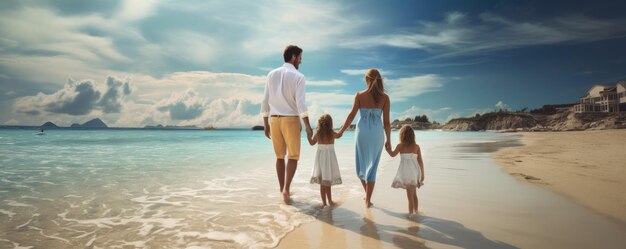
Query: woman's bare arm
x=355, y=108
x=394, y=152
x=386, y=123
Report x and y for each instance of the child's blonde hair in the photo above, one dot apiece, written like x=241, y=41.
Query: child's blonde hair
x=407, y=136
x=324, y=127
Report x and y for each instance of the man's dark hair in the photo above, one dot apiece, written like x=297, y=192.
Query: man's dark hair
x=290, y=51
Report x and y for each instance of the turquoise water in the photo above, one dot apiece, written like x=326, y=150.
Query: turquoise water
x=135, y=188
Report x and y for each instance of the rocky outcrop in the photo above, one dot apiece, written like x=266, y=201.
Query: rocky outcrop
x=396, y=124
x=492, y=121
x=562, y=121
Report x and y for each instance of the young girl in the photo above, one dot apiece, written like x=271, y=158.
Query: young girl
x=326, y=168
x=410, y=174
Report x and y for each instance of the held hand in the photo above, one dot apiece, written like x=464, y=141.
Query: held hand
x=339, y=134
x=388, y=146
x=267, y=131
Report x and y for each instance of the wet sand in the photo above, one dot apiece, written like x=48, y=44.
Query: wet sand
x=586, y=166
x=467, y=202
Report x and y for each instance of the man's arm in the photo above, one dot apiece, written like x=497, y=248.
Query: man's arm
x=266, y=127
x=265, y=109
x=301, y=105
x=312, y=139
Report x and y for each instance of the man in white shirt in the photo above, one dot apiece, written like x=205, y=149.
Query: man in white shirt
x=282, y=108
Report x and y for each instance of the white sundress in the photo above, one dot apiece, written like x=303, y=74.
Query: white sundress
x=326, y=167
x=408, y=172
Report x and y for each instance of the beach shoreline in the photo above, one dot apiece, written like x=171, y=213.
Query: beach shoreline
x=585, y=166
x=456, y=211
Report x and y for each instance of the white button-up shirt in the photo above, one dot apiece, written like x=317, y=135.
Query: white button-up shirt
x=284, y=93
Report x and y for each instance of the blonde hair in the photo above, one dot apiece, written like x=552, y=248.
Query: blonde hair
x=375, y=84
x=407, y=136
x=324, y=127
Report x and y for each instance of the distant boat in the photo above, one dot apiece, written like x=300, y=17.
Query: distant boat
x=40, y=133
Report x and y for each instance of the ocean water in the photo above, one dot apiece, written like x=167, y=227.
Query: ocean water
x=167, y=188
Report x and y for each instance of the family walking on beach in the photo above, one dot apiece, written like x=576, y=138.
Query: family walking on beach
x=284, y=105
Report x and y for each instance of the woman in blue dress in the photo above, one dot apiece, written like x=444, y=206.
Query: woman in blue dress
x=372, y=129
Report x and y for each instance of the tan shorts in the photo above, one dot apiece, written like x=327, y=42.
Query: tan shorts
x=285, y=132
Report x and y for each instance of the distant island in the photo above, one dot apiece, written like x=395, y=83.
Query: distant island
x=95, y=123
x=49, y=125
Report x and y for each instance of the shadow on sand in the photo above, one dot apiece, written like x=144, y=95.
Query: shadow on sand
x=415, y=234
x=450, y=233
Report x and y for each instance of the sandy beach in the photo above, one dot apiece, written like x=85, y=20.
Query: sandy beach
x=586, y=166
x=467, y=202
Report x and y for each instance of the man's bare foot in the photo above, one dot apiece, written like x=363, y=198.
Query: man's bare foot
x=286, y=197
x=369, y=204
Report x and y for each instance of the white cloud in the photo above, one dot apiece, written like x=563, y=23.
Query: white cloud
x=232, y=112
x=190, y=47
x=455, y=35
x=363, y=71
x=325, y=83
x=50, y=32
x=330, y=99
x=210, y=84
x=309, y=24
x=78, y=97
x=501, y=106
x=132, y=10
x=183, y=106
x=402, y=89
x=432, y=114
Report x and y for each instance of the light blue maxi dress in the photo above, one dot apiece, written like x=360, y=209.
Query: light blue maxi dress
x=370, y=138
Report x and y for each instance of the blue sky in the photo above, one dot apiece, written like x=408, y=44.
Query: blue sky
x=134, y=63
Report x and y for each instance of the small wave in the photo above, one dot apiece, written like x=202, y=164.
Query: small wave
x=240, y=238
x=14, y=203
x=27, y=222
x=7, y=212
x=158, y=200
x=36, y=198
x=16, y=245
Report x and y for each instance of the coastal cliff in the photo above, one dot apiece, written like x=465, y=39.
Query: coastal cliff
x=521, y=121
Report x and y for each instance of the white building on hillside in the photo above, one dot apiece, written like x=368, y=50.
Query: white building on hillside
x=604, y=98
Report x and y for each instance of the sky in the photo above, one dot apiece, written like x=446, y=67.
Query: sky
x=133, y=63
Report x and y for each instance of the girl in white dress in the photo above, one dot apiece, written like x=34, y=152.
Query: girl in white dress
x=411, y=170
x=326, y=168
